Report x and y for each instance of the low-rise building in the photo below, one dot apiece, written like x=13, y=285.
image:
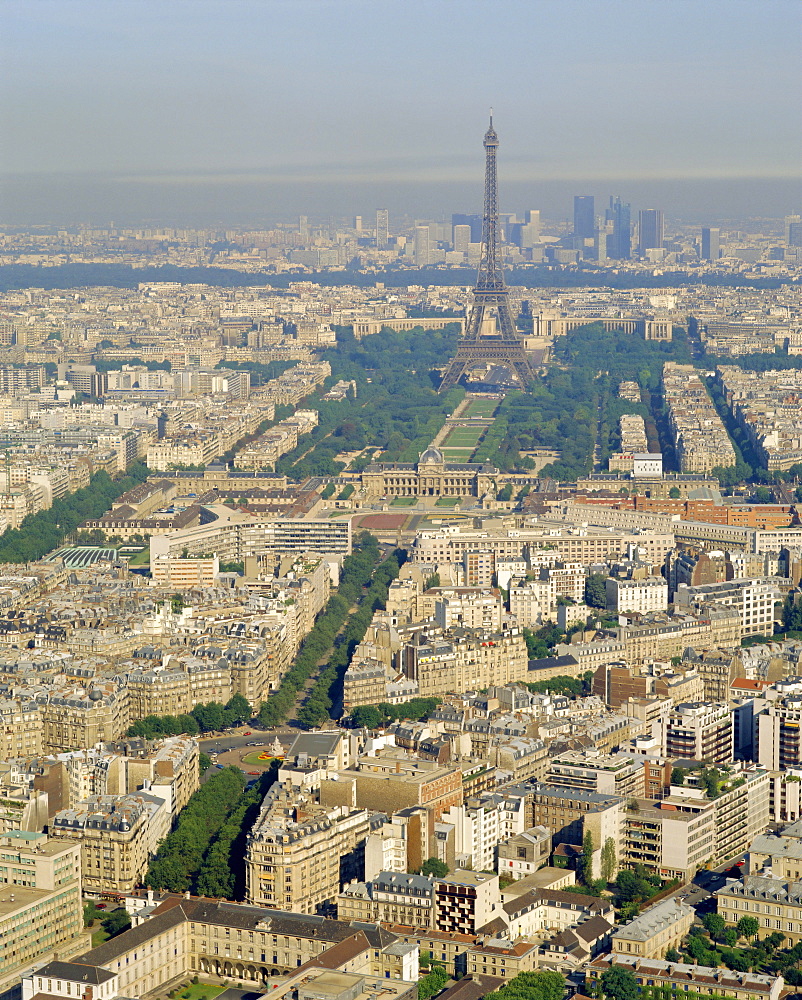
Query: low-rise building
x=656, y=978
x=652, y=932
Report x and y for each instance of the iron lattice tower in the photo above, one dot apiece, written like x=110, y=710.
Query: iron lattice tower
x=490, y=298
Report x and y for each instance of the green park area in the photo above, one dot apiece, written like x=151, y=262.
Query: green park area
x=448, y=501
x=200, y=991
x=403, y=501
x=464, y=437
x=480, y=408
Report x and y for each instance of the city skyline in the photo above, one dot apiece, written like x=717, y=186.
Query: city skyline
x=226, y=110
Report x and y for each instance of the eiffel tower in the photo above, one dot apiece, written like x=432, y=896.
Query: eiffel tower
x=490, y=298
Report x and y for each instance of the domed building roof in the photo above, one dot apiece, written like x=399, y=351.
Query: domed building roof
x=432, y=456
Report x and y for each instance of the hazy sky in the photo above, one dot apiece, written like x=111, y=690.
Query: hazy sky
x=132, y=106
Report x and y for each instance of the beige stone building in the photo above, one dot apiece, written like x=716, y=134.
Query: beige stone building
x=651, y=933
x=466, y=660
x=74, y=718
x=776, y=904
x=20, y=729
x=245, y=944
x=297, y=853
x=674, y=977
x=117, y=836
x=430, y=476
x=389, y=898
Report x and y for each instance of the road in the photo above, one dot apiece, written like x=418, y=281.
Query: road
x=700, y=892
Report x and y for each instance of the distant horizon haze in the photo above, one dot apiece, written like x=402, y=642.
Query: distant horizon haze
x=198, y=201
x=244, y=111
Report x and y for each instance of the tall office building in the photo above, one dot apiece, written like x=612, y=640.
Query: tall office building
x=303, y=226
x=474, y=221
x=461, y=238
x=710, y=240
x=382, y=228
x=530, y=230
x=650, y=229
x=793, y=231
x=421, y=250
x=603, y=238
x=584, y=216
x=619, y=245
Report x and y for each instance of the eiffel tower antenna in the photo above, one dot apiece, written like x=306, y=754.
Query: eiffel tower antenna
x=490, y=297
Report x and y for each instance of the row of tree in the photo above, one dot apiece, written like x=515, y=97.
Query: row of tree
x=328, y=686
x=222, y=873
x=356, y=573
x=206, y=717
x=375, y=716
x=178, y=861
x=41, y=533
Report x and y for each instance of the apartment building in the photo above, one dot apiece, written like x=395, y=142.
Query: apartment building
x=183, y=574
x=20, y=728
x=608, y=774
x=464, y=901
x=465, y=660
x=300, y=855
x=779, y=725
x=518, y=538
x=570, y=813
x=641, y=596
x=117, y=836
x=525, y=853
x=757, y=601
x=389, y=898
x=394, y=780
x=40, y=901
x=699, y=731
x=668, y=841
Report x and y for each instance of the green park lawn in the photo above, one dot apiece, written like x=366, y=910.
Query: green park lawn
x=481, y=408
x=464, y=437
x=403, y=502
x=200, y=990
x=141, y=558
x=252, y=759
x=447, y=501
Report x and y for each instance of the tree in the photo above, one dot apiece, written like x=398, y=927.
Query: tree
x=596, y=591
x=586, y=861
x=710, y=778
x=91, y=912
x=674, y=493
x=714, y=924
x=730, y=937
x=238, y=709
x=432, y=984
x=672, y=955
x=677, y=776
x=618, y=983
x=435, y=867
x=531, y=986
x=747, y=927
x=116, y=922
x=609, y=862
x=366, y=717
